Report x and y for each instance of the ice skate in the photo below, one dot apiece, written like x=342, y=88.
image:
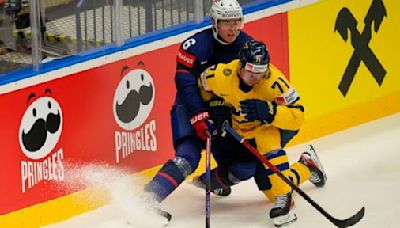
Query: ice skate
x=198, y=182
x=311, y=160
x=282, y=212
x=154, y=207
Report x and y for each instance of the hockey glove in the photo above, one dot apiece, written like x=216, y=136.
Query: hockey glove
x=260, y=110
x=203, y=124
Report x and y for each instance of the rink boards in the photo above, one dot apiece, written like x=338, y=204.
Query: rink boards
x=319, y=58
x=82, y=104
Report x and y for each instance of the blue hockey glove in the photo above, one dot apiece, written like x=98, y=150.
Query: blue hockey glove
x=260, y=110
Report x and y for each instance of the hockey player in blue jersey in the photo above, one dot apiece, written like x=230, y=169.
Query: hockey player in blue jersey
x=190, y=117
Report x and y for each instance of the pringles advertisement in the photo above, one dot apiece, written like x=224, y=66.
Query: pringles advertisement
x=116, y=114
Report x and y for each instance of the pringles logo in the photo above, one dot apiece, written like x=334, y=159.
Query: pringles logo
x=39, y=132
x=132, y=104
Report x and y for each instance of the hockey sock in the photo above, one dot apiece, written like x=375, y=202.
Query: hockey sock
x=166, y=181
x=278, y=186
x=261, y=177
x=299, y=173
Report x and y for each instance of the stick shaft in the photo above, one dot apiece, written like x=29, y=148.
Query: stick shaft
x=208, y=203
x=339, y=223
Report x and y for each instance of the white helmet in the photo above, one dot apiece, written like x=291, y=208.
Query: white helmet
x=225, y=10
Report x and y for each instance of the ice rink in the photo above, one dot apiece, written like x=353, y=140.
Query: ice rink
x=363, y=169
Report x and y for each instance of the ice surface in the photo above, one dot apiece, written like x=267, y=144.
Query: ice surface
x=363, y=168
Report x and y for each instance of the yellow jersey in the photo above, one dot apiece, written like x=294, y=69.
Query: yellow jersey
x=223, y=81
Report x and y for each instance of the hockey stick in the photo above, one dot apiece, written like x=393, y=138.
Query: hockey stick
x=338, y=222
x=208, y=206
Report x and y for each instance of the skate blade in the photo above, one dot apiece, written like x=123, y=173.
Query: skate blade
x=285, y=220
x=165, y=218
x=315, y=157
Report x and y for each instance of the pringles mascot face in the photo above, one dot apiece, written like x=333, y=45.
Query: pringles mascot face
x=133, y=99
x=41, y=126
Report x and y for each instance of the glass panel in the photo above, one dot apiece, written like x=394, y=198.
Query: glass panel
x=15, y=46
x=144, y=16
x=73, y=26
x=78, y=25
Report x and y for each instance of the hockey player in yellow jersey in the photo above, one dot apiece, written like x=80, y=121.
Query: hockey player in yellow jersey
x=265, y=108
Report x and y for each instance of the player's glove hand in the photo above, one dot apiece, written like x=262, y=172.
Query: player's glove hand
x=254, y=109
x=203, y=125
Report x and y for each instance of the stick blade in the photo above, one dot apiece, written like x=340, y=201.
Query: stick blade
x=350, y=221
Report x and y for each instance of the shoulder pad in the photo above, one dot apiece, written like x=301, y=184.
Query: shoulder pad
x=194, y=48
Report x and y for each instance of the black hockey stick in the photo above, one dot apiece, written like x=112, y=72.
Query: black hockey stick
x=208, y=203
x=338, y=222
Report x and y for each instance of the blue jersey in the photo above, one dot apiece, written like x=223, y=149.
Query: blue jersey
x=195, y=54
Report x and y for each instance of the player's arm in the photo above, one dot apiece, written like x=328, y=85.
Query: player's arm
x=187, y=74
x=289, y=110
x=209, y=87
x=284, y=112
x=210, y=82
x=189, y=58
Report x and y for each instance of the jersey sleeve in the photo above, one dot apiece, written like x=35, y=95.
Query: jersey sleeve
x=290, y=111
x=187, y=73
x=210, y=80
